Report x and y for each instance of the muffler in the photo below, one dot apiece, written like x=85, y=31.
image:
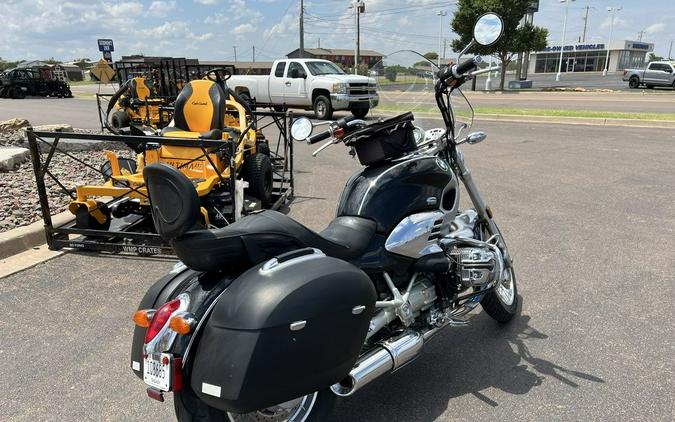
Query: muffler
x=387, y=357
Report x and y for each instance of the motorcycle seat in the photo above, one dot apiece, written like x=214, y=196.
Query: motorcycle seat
x=175, y=208
x=258, y=237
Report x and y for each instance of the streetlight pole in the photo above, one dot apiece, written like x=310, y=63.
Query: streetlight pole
x=609, y=44
x=562, y=44
x=440, y=14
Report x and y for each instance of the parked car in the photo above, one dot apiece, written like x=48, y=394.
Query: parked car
x=656, y=74
x=310, y=84
x=18, y=83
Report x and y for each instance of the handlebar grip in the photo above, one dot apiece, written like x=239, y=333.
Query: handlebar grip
x=342, y=123
x=467, y=65
x=319, y=137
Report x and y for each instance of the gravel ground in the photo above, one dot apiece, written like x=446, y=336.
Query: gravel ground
x=19, y=203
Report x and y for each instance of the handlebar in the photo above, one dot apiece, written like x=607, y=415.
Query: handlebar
x=466, y=66
x=342, y=123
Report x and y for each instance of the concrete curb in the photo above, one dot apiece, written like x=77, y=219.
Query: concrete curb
x=654, y=124
x=27, y=237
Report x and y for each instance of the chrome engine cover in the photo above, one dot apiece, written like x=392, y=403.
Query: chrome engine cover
x=476, y=266
x=417, y=234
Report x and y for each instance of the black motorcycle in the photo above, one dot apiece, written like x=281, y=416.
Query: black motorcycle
x=265, y=319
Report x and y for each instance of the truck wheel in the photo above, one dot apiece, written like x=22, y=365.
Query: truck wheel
x=119, y=120
x=634, y=82
x=323, y=109
x=18, y=93
x=360, y=113
x=257, y=172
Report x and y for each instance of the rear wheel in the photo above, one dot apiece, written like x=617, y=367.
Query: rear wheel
x=257, y=172
x=323, y=109
x=120, y=119
x=313, y=407
x=634, y=82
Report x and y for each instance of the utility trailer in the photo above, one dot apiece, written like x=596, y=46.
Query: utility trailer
x=134, y=233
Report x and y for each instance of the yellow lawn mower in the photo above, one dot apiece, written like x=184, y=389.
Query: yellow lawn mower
x=135, y=103
x=231, y=170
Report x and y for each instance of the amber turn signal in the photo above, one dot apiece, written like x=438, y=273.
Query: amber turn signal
x=182, y=324
x=143, y=317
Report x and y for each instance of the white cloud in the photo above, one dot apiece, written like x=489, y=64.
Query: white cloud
x=655, y=28
x=244, y=28
x=207, y=2
x=124, y=9
x=619, y=22
x=161, y=9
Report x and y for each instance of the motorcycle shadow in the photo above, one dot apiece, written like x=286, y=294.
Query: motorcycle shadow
x=457, y=362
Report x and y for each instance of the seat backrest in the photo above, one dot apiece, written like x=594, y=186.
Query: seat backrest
x=200, y=107
x=139, y=90
x=173, y=200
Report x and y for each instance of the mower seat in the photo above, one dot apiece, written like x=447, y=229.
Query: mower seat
x=249, y=241
x=199, y=112
x=139, y=90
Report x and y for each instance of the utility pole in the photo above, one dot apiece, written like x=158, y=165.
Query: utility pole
x=302, y=28
x=583, y=37
x=670, y=50
x=235, y=53
x=562, y=44
x=445, y=44
x=640, y=34
x=359, y=7
x=440, y=15
x=613, y=10
x=254, y=54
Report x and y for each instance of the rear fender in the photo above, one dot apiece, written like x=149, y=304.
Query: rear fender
x=203, y=289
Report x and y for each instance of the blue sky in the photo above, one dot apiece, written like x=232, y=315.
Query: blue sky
x=208, y=29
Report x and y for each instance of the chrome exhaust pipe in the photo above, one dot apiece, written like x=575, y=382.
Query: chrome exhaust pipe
x=388, y=356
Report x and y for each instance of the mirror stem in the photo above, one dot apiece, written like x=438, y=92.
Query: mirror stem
x=468, y=46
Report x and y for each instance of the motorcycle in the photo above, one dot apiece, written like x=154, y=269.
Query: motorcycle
x=265, y=319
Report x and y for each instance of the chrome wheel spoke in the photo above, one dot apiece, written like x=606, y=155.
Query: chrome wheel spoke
x=296, y=410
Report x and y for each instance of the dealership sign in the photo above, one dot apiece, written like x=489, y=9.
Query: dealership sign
x=578, y=47
x=105, y=45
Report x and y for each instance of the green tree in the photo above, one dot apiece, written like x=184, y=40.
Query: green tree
x=515, y=39
x=432, y=56
x=390, y=73
x=654, y=58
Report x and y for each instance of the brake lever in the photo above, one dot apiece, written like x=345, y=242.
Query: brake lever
x=324, y=146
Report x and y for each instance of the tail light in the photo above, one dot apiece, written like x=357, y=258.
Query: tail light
x=625, y=72
x=160, y=318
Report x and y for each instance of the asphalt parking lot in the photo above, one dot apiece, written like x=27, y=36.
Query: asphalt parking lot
x=589, y=214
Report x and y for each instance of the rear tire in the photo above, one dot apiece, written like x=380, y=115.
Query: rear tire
x=323, y=109
x=189, y=408
x=257, y=172
x=125, y=163
x=119, y=120
x=634, y=82
x=360, y=113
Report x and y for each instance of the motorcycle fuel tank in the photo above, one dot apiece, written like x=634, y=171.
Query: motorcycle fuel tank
x=390, y=192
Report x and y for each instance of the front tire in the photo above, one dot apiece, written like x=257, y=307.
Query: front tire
x=501, y=303
x=634, y=82
x=360, y=113
x=310, y=408
x=120, y=119
x=323, y=109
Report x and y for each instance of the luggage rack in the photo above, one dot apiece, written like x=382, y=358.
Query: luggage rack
x=135, y=234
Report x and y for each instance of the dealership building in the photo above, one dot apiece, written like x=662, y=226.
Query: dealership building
x=591, y=57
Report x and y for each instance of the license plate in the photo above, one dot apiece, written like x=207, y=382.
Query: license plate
x=157, y=370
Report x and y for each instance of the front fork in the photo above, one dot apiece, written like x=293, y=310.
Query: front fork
x=479, y=205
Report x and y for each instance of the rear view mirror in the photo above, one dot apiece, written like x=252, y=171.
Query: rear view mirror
x=301, y=129
x=488, y=29
x=473, y=138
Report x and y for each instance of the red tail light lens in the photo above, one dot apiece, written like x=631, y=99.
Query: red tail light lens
x=160, y=318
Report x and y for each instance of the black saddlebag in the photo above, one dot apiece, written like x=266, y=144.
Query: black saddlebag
x=288, y=327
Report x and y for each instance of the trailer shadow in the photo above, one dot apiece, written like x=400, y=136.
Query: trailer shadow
x=470, y=360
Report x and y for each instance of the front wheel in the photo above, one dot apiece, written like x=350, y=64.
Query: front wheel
x=323, y=109
x=501, y=303
x=313, y=407
x=360, y=113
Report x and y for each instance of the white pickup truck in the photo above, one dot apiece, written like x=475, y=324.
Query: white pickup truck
x=310, y=84
x=656, y=74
